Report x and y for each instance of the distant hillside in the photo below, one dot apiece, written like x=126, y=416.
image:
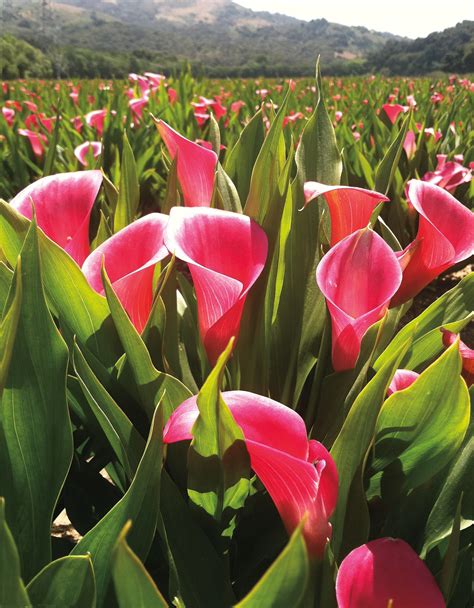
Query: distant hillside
x=451, y=50
x=218, y=36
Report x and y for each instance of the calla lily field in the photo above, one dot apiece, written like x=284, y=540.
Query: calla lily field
x=235, y=342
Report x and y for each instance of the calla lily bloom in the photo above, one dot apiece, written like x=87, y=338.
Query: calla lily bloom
x=300, y=475
x=82, y=151
x=409, y=145
x=393, y=111
x=130, y=257
x=445, y=237
x=137, y=106
x=196, y=166
x=448, y=174
x=8, y=115
x=96, y=119
x=386, y=572
x=402, y=379
x=226, y=253
x=467, y=355
x=349, y=208
x=37, y=141
x=63, y=205
x=358, y=277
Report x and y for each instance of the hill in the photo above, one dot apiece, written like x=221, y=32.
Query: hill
x=218, y=36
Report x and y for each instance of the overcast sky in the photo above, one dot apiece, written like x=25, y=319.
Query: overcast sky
x=412, y=19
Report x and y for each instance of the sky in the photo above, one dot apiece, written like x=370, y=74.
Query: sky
x=413, y=19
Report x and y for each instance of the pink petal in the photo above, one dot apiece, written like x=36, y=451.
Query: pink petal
x=393, y=111
x=226, y=253
x=467, y=355
x=137, y=106
x=63, y=204
x=130, y=257
x=37, y=140
x=196, y=166
x=81, y=152
x=409, y=145
x=445, y=237
x=402, y=379
x=349, y=208
x=358, y=277
x=385, y=570
x=282, y=458
x=96, y=119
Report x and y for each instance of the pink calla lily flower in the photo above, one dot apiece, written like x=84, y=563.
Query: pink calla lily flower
x=300, y=475
x=130, y=257
x=409, y=145
x=82, y=151
x=448, y=174
x=445, y=237
x=137, y=106
x=96, y=119
x=402, y=379
x=467, y=355
x=196, y=166
x=350, y=208
x=226, y=253
x=393, y=111
x=358, y=277
x=9, y=115
x=37, y=141
x=383, y=571
x=63, y=205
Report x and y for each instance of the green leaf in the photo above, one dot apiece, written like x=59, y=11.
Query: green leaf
x=456, y=305
x=133, y=585
x=218, y=463
x=420, y=429
x=241, y=159
x=36, y=439
x=389, y=163
x=52, y=147
x=227, y=192
x=458, y=481
x=129, y=189
x=202, y=575
x=139, y=504
x=448, y=572
x=12, y=589
x=103, y=231
x=81, y=311
x=355, y=437
x=68, y=581
x=6, y=276
x=9, y=323
x=171, y=196
x=284, y=584
x=153, y=386
x=124, y=439
x=214, y=134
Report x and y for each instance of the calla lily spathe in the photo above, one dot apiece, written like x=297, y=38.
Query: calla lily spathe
x=63, y=205
x=196, y=166
x=299, y=475
x=226, y=253
x=386, y=572
x=129, y=258
x=358, y=277
x=83, y=150
x=349, y=208
x=445, y=236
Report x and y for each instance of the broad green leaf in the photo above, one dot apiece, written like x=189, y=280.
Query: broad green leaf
x=103, y=231
x=133, y=585
x=458, y=481
x=68, y=581
x=355, y=437
x=389, y=163
x=420, y=429
x=153, y=386
x=227, y=192
x=171, y=196
x=454, y=306
x=448, y=572
x=284, y=583
x=214, y=134
x=218, y=463
x=140, y=504
x=241, y=159
x=9, y=322
x=82, y=311
x=36, y=447
x=12, y=589
x=202, y=575
x=6, y=276
x=124, y=439
x=129, y=189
